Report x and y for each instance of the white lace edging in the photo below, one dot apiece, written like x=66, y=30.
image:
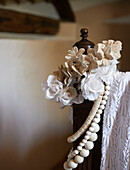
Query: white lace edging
x=116, y=125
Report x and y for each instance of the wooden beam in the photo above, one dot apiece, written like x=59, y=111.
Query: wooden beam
x=17, y=1
x=64, y=9
x=32, y=1
x=3, y=2
x=62, y=6
x=17, y=22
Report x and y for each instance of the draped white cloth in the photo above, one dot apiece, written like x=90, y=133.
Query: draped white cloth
x=116, y=125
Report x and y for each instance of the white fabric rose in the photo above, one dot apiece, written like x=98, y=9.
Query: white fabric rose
x=78, y=99
x=91, y=87
x=54, y=88
x=67, y=95
x=106, y=73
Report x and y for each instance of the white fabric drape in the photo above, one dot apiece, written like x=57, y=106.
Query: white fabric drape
x=116, y=125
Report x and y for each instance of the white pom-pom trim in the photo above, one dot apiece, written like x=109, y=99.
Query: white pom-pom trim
x=99, y=111
x=84, y=152
x=86, y=137
x=107, y=93
x=79, y=148
x=72, y=164
x=81, y=144
x=89, y=145
x=93, y=137
x=79, y=159
x=90, y=135
x=66, y=167
x=105, y=97
x=107, y=87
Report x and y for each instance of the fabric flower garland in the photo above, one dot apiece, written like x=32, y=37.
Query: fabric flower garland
x=83, y=76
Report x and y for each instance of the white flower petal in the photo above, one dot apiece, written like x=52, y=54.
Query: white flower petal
x=67, y=95
x=106, y=73
x=56, y=98
x=53, y=88
x=91, y=87
x=50, y=94
x=51, y=79
x=78, y=99
x=90, y=96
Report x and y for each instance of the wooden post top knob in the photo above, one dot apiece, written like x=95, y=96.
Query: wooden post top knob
x=84, y=43
x=84, y=32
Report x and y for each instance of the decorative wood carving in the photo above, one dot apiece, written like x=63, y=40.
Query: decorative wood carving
x=17, y=22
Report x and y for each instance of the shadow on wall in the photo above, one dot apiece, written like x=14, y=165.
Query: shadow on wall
x=42, y=157
x=121, y=32
x=119, y=29
x=27, y=119
x=101, y=21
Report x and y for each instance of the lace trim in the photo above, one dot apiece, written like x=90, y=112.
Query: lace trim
x=116, y=125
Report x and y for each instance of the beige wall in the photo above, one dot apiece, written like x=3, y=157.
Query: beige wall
x=30, y=126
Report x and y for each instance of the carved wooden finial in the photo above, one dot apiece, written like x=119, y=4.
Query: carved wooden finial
x=84, y=33
x=84, y=42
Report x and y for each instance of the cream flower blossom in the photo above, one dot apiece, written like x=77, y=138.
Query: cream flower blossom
x=75, y=60
x=67, y=95
x=75, y=53
x=91, y=87
x=97, y=51
x=106, y=52
x=83, y=76
x=112, y=49
x=93, y=61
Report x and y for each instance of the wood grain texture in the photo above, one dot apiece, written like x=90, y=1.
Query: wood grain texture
x=17, y=22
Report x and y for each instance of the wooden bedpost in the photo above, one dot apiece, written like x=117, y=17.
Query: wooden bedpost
x=80, y=113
